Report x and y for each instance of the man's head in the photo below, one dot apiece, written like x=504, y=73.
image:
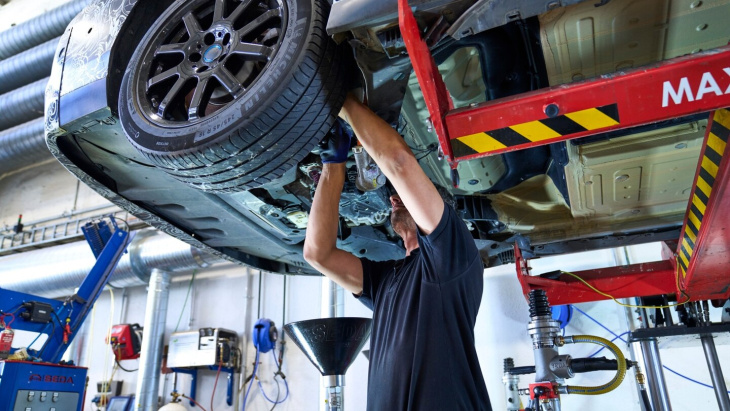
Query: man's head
x=401, y=219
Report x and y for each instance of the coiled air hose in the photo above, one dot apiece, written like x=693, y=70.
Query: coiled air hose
x=620, y=373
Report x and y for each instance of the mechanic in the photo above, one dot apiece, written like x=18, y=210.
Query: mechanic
x=422, y=353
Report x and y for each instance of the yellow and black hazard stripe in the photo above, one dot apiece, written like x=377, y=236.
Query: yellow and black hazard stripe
x=536, y=131
x=710, y=164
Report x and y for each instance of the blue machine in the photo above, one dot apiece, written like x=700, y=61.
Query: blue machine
x=44, y=384
x=36, y=386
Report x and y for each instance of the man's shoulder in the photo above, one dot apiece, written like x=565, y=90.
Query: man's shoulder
x=450, y=226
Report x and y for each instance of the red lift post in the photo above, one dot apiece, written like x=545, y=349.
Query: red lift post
x=704, y=244
x=666, y=90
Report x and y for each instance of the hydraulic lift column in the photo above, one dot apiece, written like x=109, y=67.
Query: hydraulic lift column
x=655, y=375
x=713, y=363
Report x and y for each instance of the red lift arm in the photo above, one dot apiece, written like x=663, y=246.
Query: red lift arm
x=666, y=90
x=636, y=280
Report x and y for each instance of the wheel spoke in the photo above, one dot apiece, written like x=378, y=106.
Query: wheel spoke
x=218, y=10
x=163, y=76
x=252, y=35
x=248, y=71
x=171, y=94
x=170, y=49
x=227, y=80
x=235, y=14
x=258, y=21
x=257, y=51
x=191, y=24
x=194, y=109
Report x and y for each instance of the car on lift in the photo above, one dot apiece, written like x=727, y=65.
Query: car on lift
x=204, y=118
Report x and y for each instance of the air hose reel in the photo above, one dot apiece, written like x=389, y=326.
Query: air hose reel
x=265, y=335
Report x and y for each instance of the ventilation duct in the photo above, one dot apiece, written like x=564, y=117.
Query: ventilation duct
x=23, y=145
x=57, y=271
x=27, y=66
x=23, y=104
x=148, y=382
x=40, y=29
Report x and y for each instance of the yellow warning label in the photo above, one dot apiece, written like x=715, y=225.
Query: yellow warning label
x=535, y=131
x=714, y=149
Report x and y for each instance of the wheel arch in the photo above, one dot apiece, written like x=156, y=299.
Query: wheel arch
x=135, y=26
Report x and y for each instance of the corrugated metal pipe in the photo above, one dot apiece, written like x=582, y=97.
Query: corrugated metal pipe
x=150, y=359
x=39, y=29
x=57, y=271
x=23, y=145
x=23, y=104
x=28, y=66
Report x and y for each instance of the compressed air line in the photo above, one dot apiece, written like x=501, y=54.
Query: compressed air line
x=615, y=381
x=40, y=29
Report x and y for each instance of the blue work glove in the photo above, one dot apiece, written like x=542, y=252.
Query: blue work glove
x=337, y=144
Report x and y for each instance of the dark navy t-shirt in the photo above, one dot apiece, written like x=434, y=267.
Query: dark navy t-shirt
x=422, y=354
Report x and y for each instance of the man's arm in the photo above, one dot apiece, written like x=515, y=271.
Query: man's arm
x=397, y=162
x=320, y=244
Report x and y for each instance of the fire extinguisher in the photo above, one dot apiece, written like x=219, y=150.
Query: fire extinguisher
x=6, y=337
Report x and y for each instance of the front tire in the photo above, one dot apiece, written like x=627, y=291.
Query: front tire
x=227, y=95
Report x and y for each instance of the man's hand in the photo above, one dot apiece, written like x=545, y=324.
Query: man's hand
x=338, y=144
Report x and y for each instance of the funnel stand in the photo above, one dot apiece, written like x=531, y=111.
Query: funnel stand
x=334, y=385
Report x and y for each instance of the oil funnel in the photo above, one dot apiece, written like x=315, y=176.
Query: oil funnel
x=331, y=344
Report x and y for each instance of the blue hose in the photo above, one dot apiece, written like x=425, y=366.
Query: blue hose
x=253, y=376
x=286, y=385
x=596, y=321
x=275, y=401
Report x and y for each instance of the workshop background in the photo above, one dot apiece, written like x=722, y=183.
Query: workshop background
x=36, y=186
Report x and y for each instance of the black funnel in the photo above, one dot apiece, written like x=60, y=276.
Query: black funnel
x=331, y=344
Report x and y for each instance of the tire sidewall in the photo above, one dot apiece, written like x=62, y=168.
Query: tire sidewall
x=152, y=138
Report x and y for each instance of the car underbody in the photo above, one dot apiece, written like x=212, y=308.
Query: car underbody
x=616, y=188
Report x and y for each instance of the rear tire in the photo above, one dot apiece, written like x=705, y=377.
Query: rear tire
x=180, y=107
